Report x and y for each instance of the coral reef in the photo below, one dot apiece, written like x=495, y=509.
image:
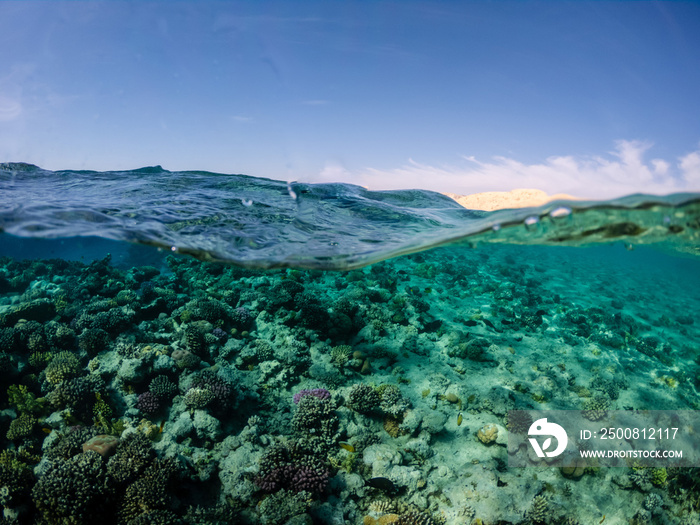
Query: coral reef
x=320, y=393
x=73, y=490
x=363, y=398
x=185, y=392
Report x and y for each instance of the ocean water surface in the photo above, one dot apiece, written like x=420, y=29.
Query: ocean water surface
x=195, y=348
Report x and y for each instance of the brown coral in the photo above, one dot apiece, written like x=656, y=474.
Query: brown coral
x=519, y=421
x=487, y=434
x=386, y=519
x=382, y=507
x=413, y=517
x=392, y=426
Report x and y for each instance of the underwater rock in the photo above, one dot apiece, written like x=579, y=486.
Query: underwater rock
x=381, y=458
x=366, y=367
x=574, y=471
x=38, y=310
x=474, y=349
x=409, y=477
x=348, y=485
x=133, y=370
x=181, y=427
x=105, y=445
x=501, y=400
x=432, y=421
x=451, y=397
x=419, y=449
x=206, y=426
x=235, y=472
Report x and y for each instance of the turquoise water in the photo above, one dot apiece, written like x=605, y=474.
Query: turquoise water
x=304, y=385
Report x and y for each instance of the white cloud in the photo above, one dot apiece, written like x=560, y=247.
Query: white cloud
x=622, y=172
x=660, y=166
x=690, y=169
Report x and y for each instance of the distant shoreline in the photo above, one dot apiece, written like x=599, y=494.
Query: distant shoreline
x=498, y=200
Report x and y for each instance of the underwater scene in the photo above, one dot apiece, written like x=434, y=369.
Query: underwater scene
x=197, y=348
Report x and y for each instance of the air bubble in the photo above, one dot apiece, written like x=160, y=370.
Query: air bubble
x=247, y=202
x=496, y=227
x=561, y=211
x=532, y=220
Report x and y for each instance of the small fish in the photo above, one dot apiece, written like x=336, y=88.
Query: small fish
x=601, y=521
x=471, y=322
x=382, y=484
x=347, y=446
x=459, y=419
x=46, y=430
x=488, y=323
x=540, y=313
x=160, y=429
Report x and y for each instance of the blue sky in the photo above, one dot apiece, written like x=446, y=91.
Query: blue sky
x=597, y=99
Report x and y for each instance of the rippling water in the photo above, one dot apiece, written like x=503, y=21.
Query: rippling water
x=263, y=223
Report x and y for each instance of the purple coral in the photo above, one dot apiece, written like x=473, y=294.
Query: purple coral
x=241, y=318
x=219, y=387
x=219, y=333
x=295, y=466
x=320, y=393
x=148, y=403
x=295, y=477
x=310, y=479
x=148, y=290
x=276, y=478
